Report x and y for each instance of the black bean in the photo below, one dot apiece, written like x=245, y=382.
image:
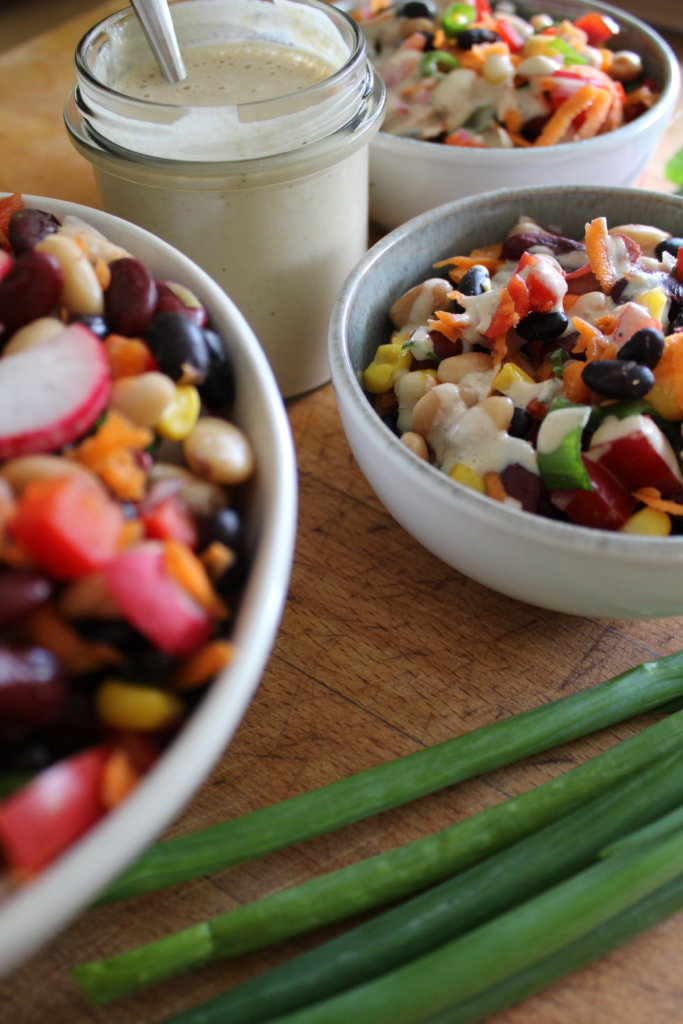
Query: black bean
x=416, y=9
x=618, y=378
x=27, y=227
x=226, y=528
x=670, y=245
x=675, y=318
x=179, y=347
x=644, y=347
x=521, y=423
x=218, y=389
x=97, y=324
x=470, y=37
x=542, y=326
x=474, y=281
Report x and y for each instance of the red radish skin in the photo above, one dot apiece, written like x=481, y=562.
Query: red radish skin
x=154, y=603
x=606, y=507
x=636, y=452
x=52, y=393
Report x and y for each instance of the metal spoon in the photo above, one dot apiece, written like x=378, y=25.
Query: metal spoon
x=155, y=19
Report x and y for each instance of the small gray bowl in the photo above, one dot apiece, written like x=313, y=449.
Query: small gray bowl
x=552, y=564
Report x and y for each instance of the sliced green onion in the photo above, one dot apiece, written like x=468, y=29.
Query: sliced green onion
x=457, y=17
x=557, y=360
x=567, y=52
x=437, y=62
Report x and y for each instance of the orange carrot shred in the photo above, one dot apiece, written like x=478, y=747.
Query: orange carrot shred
x=598, y=253
x=185, y=567
x=119, y=777
x=561, y=120
x=199, y=668
x=651, y=497
x=494, y=486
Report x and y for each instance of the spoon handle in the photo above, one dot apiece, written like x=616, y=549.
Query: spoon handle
x=155, y=19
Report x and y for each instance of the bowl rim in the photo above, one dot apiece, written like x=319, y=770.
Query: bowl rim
x=30, y=916
x=521, y=155
x=348, y=387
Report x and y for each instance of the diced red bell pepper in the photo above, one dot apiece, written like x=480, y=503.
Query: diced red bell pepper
x=509, y=34
x=150, y=599
x=44, y=817
x=482, y=7
x=169, y=520
x=598, y=27
x=68, y=525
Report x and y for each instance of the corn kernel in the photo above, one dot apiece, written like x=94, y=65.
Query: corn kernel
x=181, y=414
x=121, y=705
x=389, y=363
x=467, y=476
x=649, y=522
x=654, y=302
x=508, y=375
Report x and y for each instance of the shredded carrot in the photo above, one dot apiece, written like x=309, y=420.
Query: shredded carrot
x=666, y=397
x=559, y=123
x=46, y=627
x=499, y=349
x=476, y=57
x=512, y=119
x=450, y=325
x=569, y=301
x=217, y=558
x=651, y=497
x=201, y=667
x=132, y=531
x=182, y=563
x=9, y=205
x=111, y=453
x=598, y=253
x=596, y=115
x=128, y=356
x=591, y=342
x=519, y=140
x=103, y=274
x=606, y=323
x=119, y=777
x=461, y=264
x=572, y=382
x=494, y=486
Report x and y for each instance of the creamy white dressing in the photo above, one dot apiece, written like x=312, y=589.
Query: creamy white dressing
x=474, y=439
x=558, y=424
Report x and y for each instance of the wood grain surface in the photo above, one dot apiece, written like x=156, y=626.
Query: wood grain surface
x=382, y=650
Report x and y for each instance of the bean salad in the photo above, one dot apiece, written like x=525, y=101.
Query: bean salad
x=546, y=372
x=122, y=552
x=476, y=75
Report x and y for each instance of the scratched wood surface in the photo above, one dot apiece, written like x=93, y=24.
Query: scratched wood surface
x=382, y=649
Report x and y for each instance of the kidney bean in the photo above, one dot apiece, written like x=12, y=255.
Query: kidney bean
x=29, y=226
x=644, y=346
x=131, y=298
x=618, y=378
x=175, y=298
x=523, y=485
x=20, y=592
x=443, y=346
x=31, y=289
x=33, y=686
x=514, y=245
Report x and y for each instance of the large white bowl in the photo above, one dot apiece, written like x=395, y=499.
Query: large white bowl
x=35, y=913
x=409, y=176
x=555, y=565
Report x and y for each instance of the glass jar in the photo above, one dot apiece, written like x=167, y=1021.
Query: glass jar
x=269, y=196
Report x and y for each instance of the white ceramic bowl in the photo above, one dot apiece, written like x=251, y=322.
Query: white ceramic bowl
x=545, y=562
x=409, y=176
x=35, y=913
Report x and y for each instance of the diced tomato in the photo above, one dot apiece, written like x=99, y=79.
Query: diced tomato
x=598, y=27
x=519, y=293
x=8, y=206
x=68, y=525
x=42, y=819
x=169, y=520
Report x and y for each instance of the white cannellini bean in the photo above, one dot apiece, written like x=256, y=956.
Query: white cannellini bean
x=81, y=292
x=34, y=333
x=421, y=302
x=218, y=451
x=144, y=397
